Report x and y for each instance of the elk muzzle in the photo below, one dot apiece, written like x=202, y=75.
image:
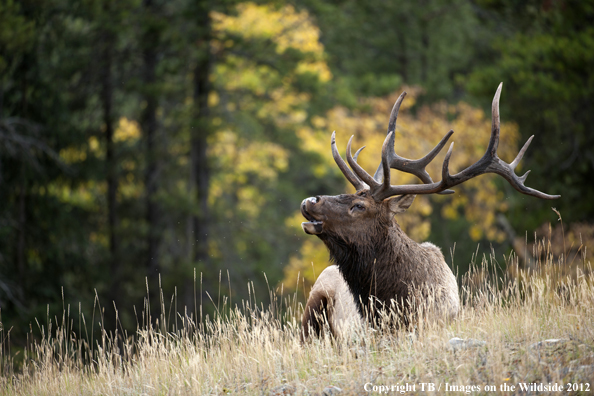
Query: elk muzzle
x=313, y=226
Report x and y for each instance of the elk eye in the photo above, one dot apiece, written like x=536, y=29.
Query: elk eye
x=358, y=207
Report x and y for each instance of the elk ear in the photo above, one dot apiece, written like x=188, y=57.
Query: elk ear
x=400, y=203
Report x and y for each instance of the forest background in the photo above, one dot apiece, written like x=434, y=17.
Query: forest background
x=168, y=144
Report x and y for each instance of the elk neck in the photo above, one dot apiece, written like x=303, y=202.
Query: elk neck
x=382, y=267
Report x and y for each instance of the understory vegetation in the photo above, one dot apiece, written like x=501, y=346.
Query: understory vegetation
x=528, y=324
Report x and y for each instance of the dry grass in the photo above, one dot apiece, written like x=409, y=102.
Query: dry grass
x=256, y=351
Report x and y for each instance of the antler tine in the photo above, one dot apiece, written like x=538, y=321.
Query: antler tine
x=521, y=153
x=351, y=177
x=489, y=163
x=357, y=153
x=416, y=167
x=391, y=160
x=517, y=182
x=385, y=164
x=394, y=113
x=445, y=168
x=366, y=177
x=379, y=173
x=495, y=123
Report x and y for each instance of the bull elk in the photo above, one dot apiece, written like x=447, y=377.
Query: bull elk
x=373, y=258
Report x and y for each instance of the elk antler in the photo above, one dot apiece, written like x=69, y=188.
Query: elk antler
x=415, y=167
x=354, y=179
x=489, y=163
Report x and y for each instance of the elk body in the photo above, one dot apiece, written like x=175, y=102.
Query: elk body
x=383, y=269
x=331, y=301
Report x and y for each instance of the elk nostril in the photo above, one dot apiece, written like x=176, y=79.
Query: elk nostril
x=315, y=199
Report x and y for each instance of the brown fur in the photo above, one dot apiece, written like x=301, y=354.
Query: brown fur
x=381, y=265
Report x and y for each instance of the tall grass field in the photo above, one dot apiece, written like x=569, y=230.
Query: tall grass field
x=525, y=327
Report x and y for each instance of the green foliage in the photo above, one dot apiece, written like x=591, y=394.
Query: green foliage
x=546, y=59
x=16, y=36
x=79, y=92
x=374, y=44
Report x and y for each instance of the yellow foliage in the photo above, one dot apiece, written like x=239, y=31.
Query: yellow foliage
x=241, y=161
x=294, y=221
x=71, y=155
x=319, y=68
x=127, y=130
x=284, y=27
x=83, y=195
x=95, y=147
x=477, y=200
x=312, y=261
x=129, y=188
x=251, y=199
x=284, y=106
x=244, y=162
x=213, y=99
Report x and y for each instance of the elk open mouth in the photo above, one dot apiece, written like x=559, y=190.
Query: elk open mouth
x=313, y=226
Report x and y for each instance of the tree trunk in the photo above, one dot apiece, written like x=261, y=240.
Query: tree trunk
x=21, y=257
x=21, y=260
x=107, y=42
x=149, y=127
x=199, y=172
x=1, y=99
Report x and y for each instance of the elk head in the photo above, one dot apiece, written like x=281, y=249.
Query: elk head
x=351, y=216
x=362, y=216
